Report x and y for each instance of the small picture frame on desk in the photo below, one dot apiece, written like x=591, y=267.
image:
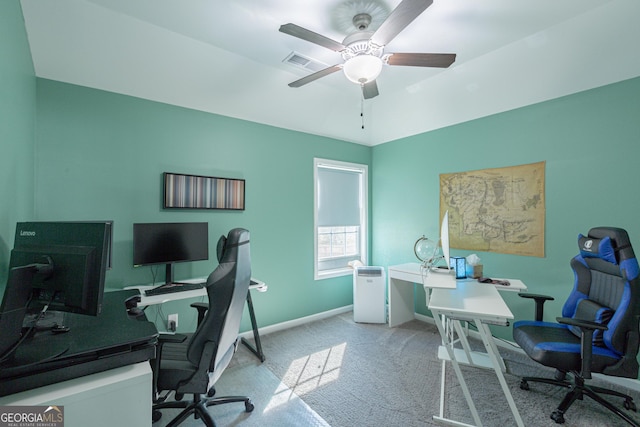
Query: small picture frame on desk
x=182, y=191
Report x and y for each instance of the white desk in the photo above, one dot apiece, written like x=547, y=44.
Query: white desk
x=117, y=397
x=256, y=284
x=451, y=303
x=402, y=277
x=481, y=304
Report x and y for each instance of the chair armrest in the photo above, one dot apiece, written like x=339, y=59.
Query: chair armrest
x=587, y=328
x=155, y=364
x=171, y=338
x=202, y=308
x=582, y=324
x=540, y=300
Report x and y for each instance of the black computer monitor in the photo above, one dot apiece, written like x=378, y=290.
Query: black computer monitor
x=80, y=253
x=169, y=243
x=57, y=265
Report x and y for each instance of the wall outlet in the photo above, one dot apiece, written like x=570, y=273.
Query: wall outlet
x=172, y=322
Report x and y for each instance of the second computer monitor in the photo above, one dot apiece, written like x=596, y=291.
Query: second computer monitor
x=169, y=243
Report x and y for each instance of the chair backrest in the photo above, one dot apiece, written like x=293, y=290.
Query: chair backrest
x=227, y=288
x=606, y=290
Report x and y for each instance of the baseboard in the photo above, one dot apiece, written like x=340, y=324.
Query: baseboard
x=297, y=322
x=623, y=382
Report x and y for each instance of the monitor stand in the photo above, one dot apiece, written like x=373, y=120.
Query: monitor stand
x=168, y=277
x=33, y=325
x=16, y=298
x=43, y=322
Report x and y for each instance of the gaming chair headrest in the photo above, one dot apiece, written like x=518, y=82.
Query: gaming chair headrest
x=610, y=244
x=222, y=241
x=228, y=245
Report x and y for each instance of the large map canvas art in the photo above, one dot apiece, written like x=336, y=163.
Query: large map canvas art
x=496, y=210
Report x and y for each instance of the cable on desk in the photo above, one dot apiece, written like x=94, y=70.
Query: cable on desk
x=10, y=352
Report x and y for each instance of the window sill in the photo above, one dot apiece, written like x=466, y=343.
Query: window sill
x=328, y=274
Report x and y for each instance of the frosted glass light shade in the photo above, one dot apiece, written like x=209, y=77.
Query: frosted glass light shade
x=362, y=69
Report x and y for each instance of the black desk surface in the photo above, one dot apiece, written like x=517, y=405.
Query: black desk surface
x=93, y=344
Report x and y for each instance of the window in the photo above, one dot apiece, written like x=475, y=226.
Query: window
x=340, y=221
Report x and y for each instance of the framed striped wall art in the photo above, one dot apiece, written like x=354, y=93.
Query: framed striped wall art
x=202, y=192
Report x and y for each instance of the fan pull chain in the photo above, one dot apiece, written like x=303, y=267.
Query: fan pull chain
x=362, y=111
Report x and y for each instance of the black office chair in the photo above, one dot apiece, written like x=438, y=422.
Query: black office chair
x=598, y=330
x=192, y=363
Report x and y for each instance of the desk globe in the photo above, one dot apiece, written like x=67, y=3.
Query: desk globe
x=426, y=251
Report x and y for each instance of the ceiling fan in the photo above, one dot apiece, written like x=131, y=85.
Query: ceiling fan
x=363, y=50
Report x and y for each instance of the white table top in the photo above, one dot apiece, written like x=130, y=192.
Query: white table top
x=471, y=300
x=409, y=267
x=256, y=284
x=414, y=272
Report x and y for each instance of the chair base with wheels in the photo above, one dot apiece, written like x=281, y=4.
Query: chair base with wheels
x=198, y=407
x=577, y=390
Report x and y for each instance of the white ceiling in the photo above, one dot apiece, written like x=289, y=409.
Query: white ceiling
x=226, y=57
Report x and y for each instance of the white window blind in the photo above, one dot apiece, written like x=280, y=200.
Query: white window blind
x=340, y=217
x=338, y=197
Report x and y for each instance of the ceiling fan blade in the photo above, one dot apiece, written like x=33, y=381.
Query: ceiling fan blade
x=308, y=35
x=370, y=90
x=440, y=60
x=315, y=76
x=400, y=17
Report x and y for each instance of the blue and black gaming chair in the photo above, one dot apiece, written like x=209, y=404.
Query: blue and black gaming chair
x=598, y=330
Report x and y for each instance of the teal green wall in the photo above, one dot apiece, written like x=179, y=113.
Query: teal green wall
x=590, y=142
x=71, y=153
x=101, y=155
x=17, y=124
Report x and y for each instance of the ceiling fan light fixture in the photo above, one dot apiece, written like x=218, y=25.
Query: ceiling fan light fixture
x=362, y=69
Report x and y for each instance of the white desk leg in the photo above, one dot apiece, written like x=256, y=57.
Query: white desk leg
x=475, y=358
x=462, y=336
x=443, y=371
x=498, y=365
x=401, y=306
x=446, y=341
x=443, y=380
x=492, y=343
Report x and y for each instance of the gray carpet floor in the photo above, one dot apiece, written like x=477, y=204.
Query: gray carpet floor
x=335, y=372
x=275, y=403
